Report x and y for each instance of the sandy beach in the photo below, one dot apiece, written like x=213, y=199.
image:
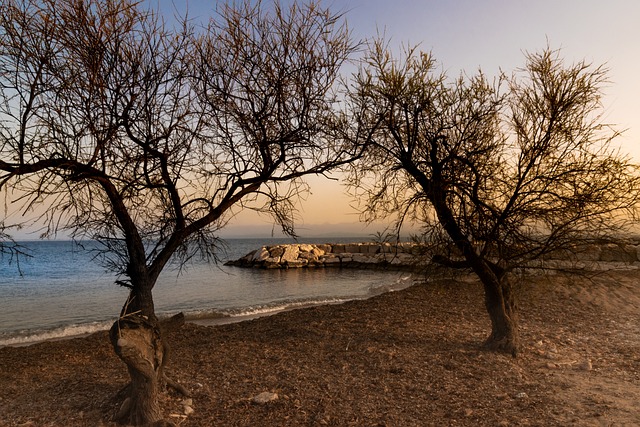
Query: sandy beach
x=405, y=358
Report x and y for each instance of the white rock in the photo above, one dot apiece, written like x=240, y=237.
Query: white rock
x=261, y=255
x=265, y=397
x=305, y=247
x=290, y=253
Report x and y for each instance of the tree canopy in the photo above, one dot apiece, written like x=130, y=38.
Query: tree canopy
x=148, y=138
x=504, y=171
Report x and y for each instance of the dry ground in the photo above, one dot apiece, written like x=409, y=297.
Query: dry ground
x=406, y=358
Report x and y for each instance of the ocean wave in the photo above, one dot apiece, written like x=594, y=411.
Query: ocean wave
x=265, y=309
x=28, y=337
x=397, y=285
x=62, y=332
x=226, y=315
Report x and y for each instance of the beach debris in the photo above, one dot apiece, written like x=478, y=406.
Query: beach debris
x=586, y=365
x=187, y=407
x=265, y=397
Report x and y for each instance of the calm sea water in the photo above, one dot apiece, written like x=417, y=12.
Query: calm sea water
x=62, y=291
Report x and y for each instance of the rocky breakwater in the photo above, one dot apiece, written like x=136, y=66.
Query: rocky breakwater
x=353, y=255
x=411, y=256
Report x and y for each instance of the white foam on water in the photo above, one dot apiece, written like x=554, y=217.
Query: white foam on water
x=68, y=331
x=260, y=310
x=63, y=293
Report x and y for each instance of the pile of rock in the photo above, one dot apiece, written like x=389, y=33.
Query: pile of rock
x=352, y=255
x=605, y=256
x=606, y=252
x=410, y=256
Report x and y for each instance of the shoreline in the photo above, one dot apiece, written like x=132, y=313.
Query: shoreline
x=411, y=357
x=217, y=319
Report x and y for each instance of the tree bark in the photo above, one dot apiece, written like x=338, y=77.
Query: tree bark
x=499, y=298
x=501, y=306
x=137, y=340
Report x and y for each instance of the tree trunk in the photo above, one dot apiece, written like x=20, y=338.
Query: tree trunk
x=499, y=298
x=501, y=306
x=137, y=340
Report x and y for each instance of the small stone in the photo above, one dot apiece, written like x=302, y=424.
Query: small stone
x=551, y=365
x=552, y=355
x=265, y=397
x=187, y=402
x=188, y=410
x=522, y=395
x=586, y=365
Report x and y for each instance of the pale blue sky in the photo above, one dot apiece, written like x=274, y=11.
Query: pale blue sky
x=465, y=35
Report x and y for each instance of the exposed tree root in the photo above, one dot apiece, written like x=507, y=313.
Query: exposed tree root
x=176, y=386
x=504, y=344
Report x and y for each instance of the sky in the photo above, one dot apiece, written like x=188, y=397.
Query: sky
x=464, y=36
x=492, y=35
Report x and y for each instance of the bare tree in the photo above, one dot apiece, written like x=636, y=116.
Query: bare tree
x=8, y=247
x=504, y=176
x=149, y=138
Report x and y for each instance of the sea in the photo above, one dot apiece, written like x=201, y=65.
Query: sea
x=61, y=290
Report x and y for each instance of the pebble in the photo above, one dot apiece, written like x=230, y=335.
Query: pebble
x=265, y=397
x=586, y=365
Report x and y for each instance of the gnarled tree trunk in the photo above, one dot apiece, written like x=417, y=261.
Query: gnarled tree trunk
x=137, y=340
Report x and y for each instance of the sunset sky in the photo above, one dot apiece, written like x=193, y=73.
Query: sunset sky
x=465, y=35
